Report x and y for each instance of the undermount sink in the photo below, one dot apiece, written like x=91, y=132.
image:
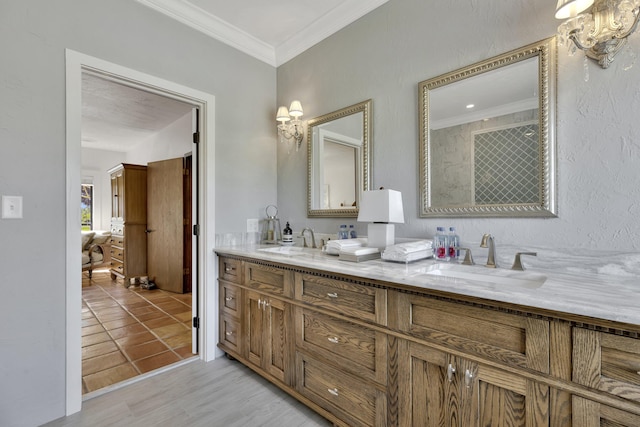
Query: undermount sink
x=498, y=276
x=284, y=250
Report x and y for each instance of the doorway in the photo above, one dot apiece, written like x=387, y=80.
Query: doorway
x=203, y=213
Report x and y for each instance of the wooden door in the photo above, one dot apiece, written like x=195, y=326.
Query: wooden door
x=278, y=340
x=587, y=413
x=165, y=224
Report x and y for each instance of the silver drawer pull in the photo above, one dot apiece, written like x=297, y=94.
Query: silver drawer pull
x=332, y=295
x=468, y=378
x=450, y=371
x=334, y=340
x=229, y=299
x=229, y=333
x=229, y=269
x=333, y=391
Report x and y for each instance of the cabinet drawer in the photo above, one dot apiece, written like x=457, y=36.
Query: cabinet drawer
x=117, y=253
x=230, y=299
x=117, y=241
x=353, y=400
x=509, y=338
x=607, y=362
x=229, y=331
x=230, y=270
x=117, y=266
x=268, y=279
x=354, y=348
x=363, y=302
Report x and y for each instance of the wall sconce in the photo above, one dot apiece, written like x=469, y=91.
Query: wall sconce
x=292, y=130
x=598, y=27
x=380, y=208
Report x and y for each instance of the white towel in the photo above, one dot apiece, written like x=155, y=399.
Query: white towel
x=334, y=247
x=355, y=250
x=409, y=247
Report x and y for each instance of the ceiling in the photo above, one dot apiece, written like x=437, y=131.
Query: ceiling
x=272, y=31
x=116, y=117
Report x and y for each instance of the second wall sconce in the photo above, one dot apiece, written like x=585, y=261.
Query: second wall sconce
x=598, y=27
x=290, y=127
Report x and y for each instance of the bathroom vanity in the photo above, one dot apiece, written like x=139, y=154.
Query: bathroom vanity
x=429, y=344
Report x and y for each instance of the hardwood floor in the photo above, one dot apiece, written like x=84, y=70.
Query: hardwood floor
x=218, y=393
x=128, y=332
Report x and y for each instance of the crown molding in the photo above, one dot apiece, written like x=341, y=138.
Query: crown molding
x=322, y=28
x=214, y=27
x=203, y=21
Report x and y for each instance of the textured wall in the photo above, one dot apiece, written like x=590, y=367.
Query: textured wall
x=33, y=38
x=386, y=53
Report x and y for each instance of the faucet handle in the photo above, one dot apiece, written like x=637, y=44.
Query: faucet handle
x=517, y=263
x=468, y=257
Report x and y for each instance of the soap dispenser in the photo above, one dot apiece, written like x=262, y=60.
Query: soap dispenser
x=287, y=235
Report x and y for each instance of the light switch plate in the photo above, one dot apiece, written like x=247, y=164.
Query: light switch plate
x=11, y=207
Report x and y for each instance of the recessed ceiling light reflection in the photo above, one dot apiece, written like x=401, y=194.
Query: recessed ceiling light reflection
x=470, y=105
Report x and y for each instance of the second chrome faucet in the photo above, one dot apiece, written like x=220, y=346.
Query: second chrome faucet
x=488, y=242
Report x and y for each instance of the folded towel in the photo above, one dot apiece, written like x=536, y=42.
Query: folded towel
x=333, y=247
x=409, y=247
x=413, y=256
x=355, y=250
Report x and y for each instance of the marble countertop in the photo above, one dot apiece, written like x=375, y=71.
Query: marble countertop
x=579, y=282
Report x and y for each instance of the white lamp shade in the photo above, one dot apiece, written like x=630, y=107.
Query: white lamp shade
x=283, y=114
x=571, y=8
x=295, y=109
x=381, y=206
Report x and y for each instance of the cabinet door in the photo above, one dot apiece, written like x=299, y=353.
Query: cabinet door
x=438, y=389
x=254, y=327
x=267, y=341
x=587, y=413
x=117, y=195
x=428, y=387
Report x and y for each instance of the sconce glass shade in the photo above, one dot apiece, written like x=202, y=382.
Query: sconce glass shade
x=295, y=110
x=571, y=8
x=283, y=114
x=381, y=206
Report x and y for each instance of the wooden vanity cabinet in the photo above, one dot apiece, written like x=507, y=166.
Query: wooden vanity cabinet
x=367, y=353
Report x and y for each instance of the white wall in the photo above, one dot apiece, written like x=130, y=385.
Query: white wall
x=174, y=141
x=33, y=37
x=384, y=56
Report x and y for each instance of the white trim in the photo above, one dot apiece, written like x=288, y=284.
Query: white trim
x=208, y=337
x=203, y=21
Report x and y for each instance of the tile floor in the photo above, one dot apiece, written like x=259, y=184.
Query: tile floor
x=128, y=332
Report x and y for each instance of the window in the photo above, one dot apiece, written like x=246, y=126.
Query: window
x=86, y=205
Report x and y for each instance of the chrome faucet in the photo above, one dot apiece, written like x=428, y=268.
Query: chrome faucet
x=488, y=242
x=313, y=237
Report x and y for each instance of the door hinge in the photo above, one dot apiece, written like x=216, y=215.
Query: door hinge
x=186, y=271
x=196, y=322
x=196, y=137
x=196, y=230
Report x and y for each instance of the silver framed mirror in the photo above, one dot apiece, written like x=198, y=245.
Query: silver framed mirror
x=338, y=161
x=487, y=137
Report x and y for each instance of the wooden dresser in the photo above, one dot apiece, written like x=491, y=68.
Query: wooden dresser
x=365, y=352
x=128, y=221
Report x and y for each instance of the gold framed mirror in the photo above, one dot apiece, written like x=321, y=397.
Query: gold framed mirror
x=487, y=137
x=338, y=161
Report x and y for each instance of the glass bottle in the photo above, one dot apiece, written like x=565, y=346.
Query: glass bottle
x=453, y=242
x=343, y=233
x=440, y=245
x=287, y=234
x=352, y=232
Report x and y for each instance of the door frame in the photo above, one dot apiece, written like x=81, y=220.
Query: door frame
x=76, y=63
